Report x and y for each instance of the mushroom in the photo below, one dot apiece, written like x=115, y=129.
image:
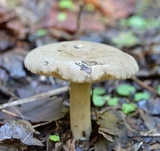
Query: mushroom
x=81, y=63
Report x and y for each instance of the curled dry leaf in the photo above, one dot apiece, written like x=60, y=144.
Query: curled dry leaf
x=21, y=130
x=107, y=124
x=70, y=145
x=12, y=62
x=6, y=15
x=113, y=126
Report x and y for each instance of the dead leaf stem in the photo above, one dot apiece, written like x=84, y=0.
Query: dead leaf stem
x=142, y=84
x=35, y=97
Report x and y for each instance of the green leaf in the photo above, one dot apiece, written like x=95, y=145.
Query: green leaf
x=66, y=4
x=54, y=138
x=113, y=101
x=128, y=107
x=41, y=32
x=106, y=97
x=141, y=96
x=125, y=89
x=98, y=100
x=98, y=91
x=61, y=16
x=125, y=39
x=137, y=22
x=158, y=89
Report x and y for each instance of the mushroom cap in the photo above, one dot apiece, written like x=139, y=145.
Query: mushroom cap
x=81, y=62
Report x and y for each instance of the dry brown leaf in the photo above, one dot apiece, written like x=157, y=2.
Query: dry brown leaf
x=112, y=126
x=6, y=15
x=155, y=146
x=17, y=28
x=109, y=131
x=13, y=62
x=114, y=9
x=105, y=135
x=70, y=145
x=21, y=130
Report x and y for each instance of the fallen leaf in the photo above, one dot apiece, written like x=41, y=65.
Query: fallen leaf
x=149, y=121
x=6, y=42
x=113, y=127
x=4, y=76
x=9, y=147
x=151, y=106
x=21, y=130
x=6, y=15
x=105, y=135
x=13, y=62
x=155, y=146
x=114, y=9
x=70, y=145
x=17, y=28
x=102, y=144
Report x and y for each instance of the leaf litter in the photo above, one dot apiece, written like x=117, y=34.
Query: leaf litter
x=21, y=130
x=139, y=129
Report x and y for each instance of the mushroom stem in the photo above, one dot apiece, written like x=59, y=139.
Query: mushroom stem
x=80, y=114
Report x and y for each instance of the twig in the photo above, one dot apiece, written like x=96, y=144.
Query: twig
x=142, y=84
x=10, y=113
x=35, y=97
x=151, y=133
x=81, y=6
x=7, y=92
x=41, y=124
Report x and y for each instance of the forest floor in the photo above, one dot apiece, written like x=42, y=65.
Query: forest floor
x=34, y=109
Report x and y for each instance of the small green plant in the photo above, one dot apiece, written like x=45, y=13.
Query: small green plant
x=137, y=22
x=98, y=99
x=158, y=89
x=141, y=96
x=140, y=22
x=54, y=138
x=66, y=4
x=125, y=89
x=128, y=107
x=113, y=101
x=99, y=91
x=41, y=32
x=125, y=39
x=62, y=16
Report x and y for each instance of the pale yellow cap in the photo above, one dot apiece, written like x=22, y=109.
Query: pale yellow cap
x=81, y=62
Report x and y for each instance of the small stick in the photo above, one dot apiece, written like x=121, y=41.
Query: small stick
x=35, y=97
x=142, y=84
x=10, y=113
x=7, y=92
x=81, y=6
